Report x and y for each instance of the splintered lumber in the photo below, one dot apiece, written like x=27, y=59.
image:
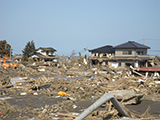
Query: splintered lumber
x=110, y=106
x=66, y=82
x=63, y=114
x=25, y=81
x=24, y=78
x=118, y=86
x=7, y=86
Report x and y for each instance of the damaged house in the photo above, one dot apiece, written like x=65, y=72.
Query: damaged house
x=102, y=55
x=45, y=53
x=123, y=55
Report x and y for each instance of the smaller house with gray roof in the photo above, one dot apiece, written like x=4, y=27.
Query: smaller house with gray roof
x=103, y=51
x=100, y=55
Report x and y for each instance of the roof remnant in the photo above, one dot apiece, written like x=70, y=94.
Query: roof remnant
x=47, y=48
x=44, y=56
x=104, y=49
x=131, y=45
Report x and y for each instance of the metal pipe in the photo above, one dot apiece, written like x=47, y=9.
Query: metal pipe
x=98, y=103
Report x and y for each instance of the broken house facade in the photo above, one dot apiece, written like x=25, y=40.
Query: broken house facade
x=45, y=53
x=123, y=55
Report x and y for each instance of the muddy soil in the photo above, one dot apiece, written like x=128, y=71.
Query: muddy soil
x=32, y=102
x=142, y=107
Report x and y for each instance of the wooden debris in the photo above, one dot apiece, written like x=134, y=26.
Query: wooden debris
x=63, y=114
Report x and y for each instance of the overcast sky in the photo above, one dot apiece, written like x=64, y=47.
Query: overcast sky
x=68, y=25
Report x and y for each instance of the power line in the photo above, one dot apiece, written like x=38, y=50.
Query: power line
x=139, y=40
x=152, y=39
x=154, y=50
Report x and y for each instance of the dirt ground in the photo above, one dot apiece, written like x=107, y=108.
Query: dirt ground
x=32, y=92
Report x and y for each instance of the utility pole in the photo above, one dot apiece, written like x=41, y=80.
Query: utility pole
x=87, y=53
x=86, y=49
x=71, y=55
x=143, y=41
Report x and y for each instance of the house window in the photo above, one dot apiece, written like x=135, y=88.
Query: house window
x=127, y=52
x=104, y=54
x=145, y=52
x=140, y=53
x=119, y=63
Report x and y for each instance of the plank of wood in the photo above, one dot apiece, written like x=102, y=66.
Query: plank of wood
x=63, y=114
x=110, y=106
x=7, y=86
x=118, y=87
x=25, y=81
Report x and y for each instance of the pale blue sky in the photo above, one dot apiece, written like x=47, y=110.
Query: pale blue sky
x=68, y=25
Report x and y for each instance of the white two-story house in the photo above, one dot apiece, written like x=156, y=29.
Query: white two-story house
x=45, y=53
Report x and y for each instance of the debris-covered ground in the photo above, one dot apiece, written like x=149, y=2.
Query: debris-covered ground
x=46, y=91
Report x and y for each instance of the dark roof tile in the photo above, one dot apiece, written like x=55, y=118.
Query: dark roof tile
x=104, y=49
x=47, y=48
x=132, y=45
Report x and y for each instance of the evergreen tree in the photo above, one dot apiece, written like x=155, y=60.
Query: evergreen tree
x=29, y=50
x=5, y=48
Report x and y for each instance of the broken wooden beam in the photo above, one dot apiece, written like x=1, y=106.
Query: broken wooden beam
x=63, y=114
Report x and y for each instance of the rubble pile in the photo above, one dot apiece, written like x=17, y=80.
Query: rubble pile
x=74, y=86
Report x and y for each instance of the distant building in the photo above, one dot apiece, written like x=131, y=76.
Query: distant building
x=126, y=54
x=45, y=53
x=102, y=52
x=131, y=53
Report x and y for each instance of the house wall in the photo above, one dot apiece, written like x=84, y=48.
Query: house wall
x=41, y=51
x=119, y=52
x=45, y=52
x=123, y=64
x=93, y=54
x=134, y=52
x=135, y=64
x=102, y=55
x=141, y=52
x=51, y=53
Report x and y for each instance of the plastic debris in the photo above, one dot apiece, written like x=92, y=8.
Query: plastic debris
x=63, y=93
x=24, y=93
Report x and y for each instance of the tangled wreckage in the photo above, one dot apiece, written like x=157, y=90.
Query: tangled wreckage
x=73, y=90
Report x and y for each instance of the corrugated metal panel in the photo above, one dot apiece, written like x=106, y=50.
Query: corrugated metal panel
x=150, y=69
